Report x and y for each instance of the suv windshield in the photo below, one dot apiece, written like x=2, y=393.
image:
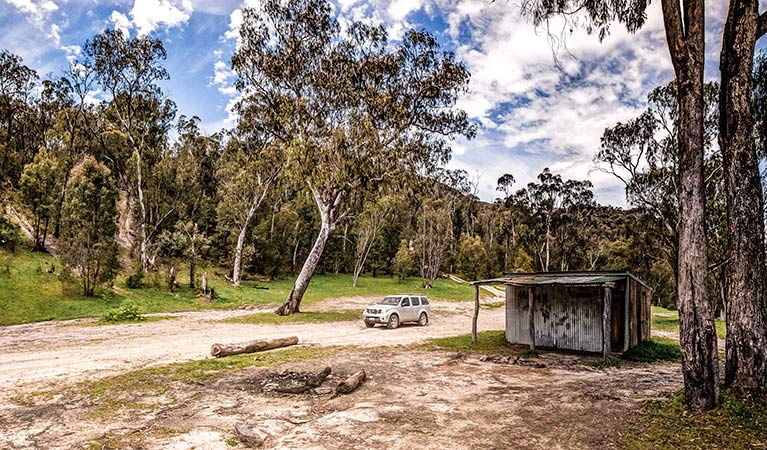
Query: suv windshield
x=394, y=301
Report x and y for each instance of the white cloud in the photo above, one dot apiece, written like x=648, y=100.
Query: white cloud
x=148, y=15
x=36, y=10
x=55, y=35
x=535, y=113
x=121, y=22
x=399, y=9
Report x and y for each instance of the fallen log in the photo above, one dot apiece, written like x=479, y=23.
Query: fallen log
x=349, y=385
x=221, y=350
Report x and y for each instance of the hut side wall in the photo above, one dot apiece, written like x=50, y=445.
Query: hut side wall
x=517, y=316
x=568, y=318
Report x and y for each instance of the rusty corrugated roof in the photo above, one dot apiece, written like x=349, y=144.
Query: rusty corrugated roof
x=562, y=279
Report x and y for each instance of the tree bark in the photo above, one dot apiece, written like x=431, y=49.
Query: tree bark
x=475, y=316
x=143, y=246
x=293, y=302
x=746, y=342
x=328, y=204
x=222, y=350
x=237, y=269
x=685, y=31
x=258, y=197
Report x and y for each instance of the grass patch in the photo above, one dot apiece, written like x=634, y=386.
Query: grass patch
x=605, y=363
x=668, y=320
x=303, y=317
x=657, y=349
x=32, y=293
x=487, y=341
x=739, y=423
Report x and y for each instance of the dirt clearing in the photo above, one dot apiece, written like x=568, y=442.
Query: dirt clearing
x=411, y=399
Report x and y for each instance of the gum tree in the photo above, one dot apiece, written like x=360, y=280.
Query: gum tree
x=352, y=110
x=684, y=22
x=746, y=342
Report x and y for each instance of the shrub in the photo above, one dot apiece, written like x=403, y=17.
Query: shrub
x=651, y=351
x=10, y=234
x=605, y=363
x=127, y=312
x=134, y=281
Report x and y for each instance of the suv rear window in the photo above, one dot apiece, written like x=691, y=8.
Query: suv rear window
x=414, y=301
x=424, y=301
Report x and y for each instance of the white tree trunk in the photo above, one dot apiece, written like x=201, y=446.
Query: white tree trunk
x=293, y=302
x=328, y=204
x=237, y=270
x=258, y=198
x=143, y=246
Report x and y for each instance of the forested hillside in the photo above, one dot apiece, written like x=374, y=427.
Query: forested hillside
x=337, y=164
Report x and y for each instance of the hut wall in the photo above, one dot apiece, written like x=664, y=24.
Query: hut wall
x=517, y=315
x=568, y=318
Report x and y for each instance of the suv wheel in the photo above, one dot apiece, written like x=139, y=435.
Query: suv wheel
x=393, y=322
x=423, y=319
x=369, y=324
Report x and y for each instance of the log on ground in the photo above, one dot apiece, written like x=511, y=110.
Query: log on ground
x=221, y=350
x=349, y=385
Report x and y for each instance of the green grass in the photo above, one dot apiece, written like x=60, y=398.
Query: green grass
x=657, y=349
x=304, y=317
x=668, y=320
x=739, y=423
x=487, y=342
x=28, y=293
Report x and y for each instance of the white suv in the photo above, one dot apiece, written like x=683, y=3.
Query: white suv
x=396, y=309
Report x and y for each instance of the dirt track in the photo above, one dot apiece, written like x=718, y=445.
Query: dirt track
x=65, y=351
x=412, y=399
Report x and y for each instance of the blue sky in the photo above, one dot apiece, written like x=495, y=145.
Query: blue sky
x=532, y=113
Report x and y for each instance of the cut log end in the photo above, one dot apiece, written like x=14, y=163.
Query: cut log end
x=349, y=385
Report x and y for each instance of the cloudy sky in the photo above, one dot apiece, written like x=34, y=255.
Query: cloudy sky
x=532, y=113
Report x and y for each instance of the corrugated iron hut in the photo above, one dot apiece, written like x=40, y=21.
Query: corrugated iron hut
x=587, y=311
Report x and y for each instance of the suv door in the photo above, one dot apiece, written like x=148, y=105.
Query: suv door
x=415, y=307
x=405, y=310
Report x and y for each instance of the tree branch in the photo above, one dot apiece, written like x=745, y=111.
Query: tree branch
x=672, y=19
x=761, y=25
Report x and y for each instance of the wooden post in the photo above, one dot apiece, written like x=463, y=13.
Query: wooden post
x=606, y=306
x=476, y=315
x=531, y=317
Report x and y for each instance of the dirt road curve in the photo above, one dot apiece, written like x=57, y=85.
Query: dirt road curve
x=41, y=353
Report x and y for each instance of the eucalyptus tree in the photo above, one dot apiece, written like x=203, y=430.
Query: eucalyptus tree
x=89, y=224
x=39, y=190
x=368, y=227
x=684, y=22
x=17, y=83
x=746, y=342
x=548, y=199
x=248, y=171
x=138, y=117
x=352, y=110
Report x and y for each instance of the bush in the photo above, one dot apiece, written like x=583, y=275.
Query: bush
x=10, y=234
x=127, y=312
x=651, y=351
x=134, y=281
